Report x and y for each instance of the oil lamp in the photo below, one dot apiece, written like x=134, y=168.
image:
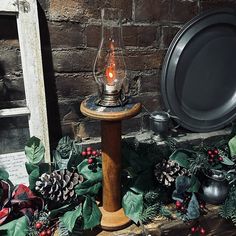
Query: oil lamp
x=109, y=66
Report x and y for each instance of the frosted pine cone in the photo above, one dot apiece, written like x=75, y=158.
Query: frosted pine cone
x=59, y=185
x=167, y=171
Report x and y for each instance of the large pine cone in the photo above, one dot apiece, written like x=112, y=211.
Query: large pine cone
x=167, y=171
x=59, y=185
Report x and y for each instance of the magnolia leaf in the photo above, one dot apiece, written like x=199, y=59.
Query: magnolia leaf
x=182, y=183
x=133, y=205
x=59, y=211
x=3, y=174
x=33, y=177
x=177, y=196
x=34, y=150
x=181, y=156
x=30, y=167
x=70, y=217
x=193, y=209
x=18, y=227
x=83, y=169
x=232, y=146
x=194, y=184
x=88, y=187
x=91, y=214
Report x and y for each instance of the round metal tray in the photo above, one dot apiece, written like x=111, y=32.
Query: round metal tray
x=199, y=72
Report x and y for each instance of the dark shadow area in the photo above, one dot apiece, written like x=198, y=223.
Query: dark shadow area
x=10, y=23
x=55, y=131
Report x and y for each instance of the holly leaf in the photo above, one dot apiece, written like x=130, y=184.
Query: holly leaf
x=227, y=161
x=34, y=150
x=18, y=227
x=91, y=214
x=181, y=156
x=3, y=174
x=133, y=205
x=83, y=169
x=232, y=146
x=88, y=187
x=70, y=217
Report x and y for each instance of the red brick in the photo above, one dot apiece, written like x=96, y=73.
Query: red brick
x=209, y=4
x=150, y=81
x=144, y=60
x=74, y=61
x=184, y=10
x=168, y=33
x=142, y=36
x=152, y=10
x=79, y=10
x=93, y=35
x=66, y=35
x=70, y=86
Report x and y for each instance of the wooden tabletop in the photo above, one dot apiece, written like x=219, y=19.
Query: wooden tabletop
x=89, y=108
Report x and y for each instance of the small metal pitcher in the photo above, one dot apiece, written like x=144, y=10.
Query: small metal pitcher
x=159, y=122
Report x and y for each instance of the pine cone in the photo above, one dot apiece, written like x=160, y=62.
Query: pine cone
x=167, y=171
x=59, y=185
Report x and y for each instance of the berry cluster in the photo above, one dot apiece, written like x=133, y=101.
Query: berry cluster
x=92, y=156
x=198, y=229
x=213, y=156
x=42, y=229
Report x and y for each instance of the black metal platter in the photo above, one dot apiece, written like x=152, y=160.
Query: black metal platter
x=199, y=72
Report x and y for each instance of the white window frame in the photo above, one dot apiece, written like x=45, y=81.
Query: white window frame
x=29, y=39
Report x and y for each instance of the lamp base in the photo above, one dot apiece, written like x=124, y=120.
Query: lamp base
x=111, y=99
x=114, y=220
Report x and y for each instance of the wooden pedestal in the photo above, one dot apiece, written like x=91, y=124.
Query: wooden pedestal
x=113, y=217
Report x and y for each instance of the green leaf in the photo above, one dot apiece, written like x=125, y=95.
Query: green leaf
x=91, y=214
x=133, y=205
x=18, y=227
x=88, y=187
x=70, y=217
x=181, y=156
x=34, y=150
x=89, y=174
x=33, y=177
x=30, y=167
x=59, y=211
x=182, y=183
x=194, y=185
x=232, y=146
x=227, y=161
x=74, y=161
x=3, y=174
x=193, y=209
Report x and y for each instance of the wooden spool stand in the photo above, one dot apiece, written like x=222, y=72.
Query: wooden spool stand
x=113, y=217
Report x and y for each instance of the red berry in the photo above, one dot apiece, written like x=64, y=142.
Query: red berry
x=209, y=152
x=89, y=149
x=38, y=225
x=202, y=231
x=202, y=206
x=90, y=160
x=212, y=155
x=178, y=204
x=49, y=232
x=43, y=233
x=193, y=229
x=94, y=153
x=89, y=153
x=220, y=158
x=84, y=153
x=216, y=151
x=210, y=160
x=183, y=208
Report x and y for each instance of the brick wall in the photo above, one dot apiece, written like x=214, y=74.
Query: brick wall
x=70, y=34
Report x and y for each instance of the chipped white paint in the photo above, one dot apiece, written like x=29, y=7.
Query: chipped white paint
x=11, y=112
x=28, y=31
x=8, y=6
